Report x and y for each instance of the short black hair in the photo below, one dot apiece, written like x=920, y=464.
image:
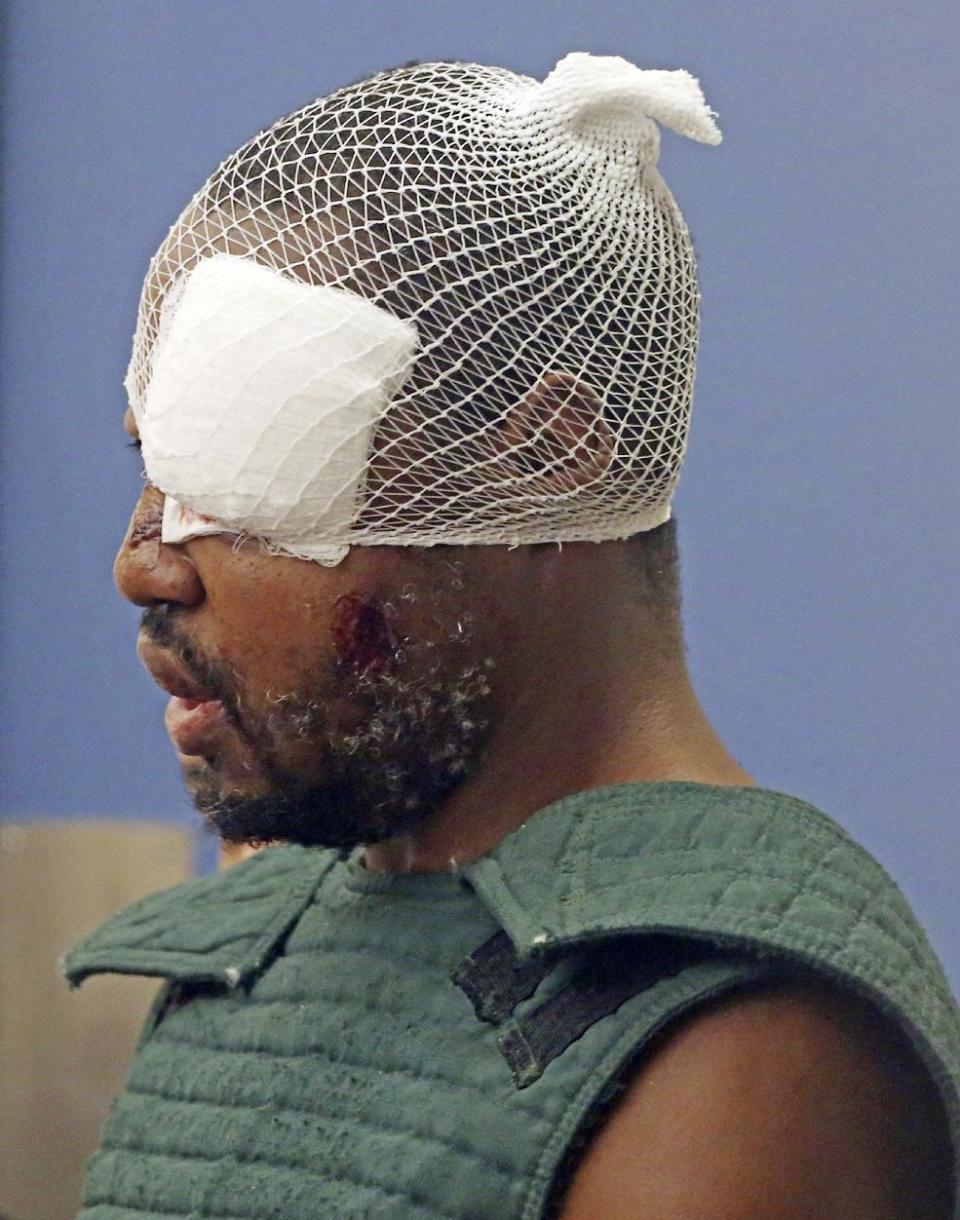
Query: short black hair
x=655, y=556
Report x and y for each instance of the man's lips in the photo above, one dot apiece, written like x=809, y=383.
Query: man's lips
x=195, y=727
x=170, y=673
x=195, y=719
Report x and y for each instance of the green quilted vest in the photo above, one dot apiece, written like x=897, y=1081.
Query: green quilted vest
x=333, y=1044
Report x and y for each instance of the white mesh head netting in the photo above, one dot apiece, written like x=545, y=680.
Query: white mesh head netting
x=527, y=373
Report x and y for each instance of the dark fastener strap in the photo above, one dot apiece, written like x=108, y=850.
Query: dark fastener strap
x=495, y=980
x=597, y=991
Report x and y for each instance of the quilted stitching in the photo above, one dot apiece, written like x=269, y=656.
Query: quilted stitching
x=746, y=868
x=219, y=927
x=342, y=1073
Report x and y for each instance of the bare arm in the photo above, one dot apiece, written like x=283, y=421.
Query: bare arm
x=789, y=1104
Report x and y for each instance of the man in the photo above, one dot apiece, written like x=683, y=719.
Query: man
x=412, y=380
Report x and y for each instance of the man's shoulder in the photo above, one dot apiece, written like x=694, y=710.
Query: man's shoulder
x=797, y=1100
x=802, y=911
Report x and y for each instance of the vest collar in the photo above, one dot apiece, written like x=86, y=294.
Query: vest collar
x=743, y=867
x=666, y=855
x=221, y=928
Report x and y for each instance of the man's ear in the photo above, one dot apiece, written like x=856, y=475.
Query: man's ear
x=557, y=435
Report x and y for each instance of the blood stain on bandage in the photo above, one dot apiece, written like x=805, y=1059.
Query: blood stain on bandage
x=362, y=635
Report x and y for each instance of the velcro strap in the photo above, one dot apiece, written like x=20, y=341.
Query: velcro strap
x=611, y=977
x=495, y=980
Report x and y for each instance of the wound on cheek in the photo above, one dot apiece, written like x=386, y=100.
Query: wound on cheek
x=361, y=634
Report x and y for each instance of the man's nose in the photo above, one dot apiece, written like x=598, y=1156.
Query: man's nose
x=146, y=570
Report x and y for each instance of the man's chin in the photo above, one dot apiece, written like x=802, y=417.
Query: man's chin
x=331, y=815
x=307, y=819
x=226, y=773
x=211, y=791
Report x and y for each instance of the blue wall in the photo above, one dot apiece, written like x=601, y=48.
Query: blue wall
x=819, y=504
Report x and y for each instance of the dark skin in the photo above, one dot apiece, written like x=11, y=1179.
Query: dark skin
x=791, y=1104
x=832, y=1120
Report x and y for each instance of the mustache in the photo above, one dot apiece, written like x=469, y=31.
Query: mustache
x=160, y=625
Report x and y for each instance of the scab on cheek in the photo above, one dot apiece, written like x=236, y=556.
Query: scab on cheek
x=362, y=635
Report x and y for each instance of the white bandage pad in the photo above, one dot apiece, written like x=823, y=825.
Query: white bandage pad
x=263, y=396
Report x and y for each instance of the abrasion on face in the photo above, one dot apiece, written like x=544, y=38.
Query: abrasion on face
x=144, y=532
x=362, y=635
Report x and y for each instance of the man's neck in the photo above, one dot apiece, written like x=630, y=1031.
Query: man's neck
x=547, y=749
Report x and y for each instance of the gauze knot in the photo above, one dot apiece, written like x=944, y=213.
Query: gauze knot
x=607, y=102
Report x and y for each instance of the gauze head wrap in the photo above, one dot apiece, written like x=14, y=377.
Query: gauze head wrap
x=449, y=304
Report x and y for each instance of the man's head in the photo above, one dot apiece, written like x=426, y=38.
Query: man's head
x=522, y=238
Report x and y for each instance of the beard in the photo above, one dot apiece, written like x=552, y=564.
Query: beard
x=417, y=740
x=416, y=731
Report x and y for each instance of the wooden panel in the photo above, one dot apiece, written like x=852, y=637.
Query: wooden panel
x=65, y=1054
